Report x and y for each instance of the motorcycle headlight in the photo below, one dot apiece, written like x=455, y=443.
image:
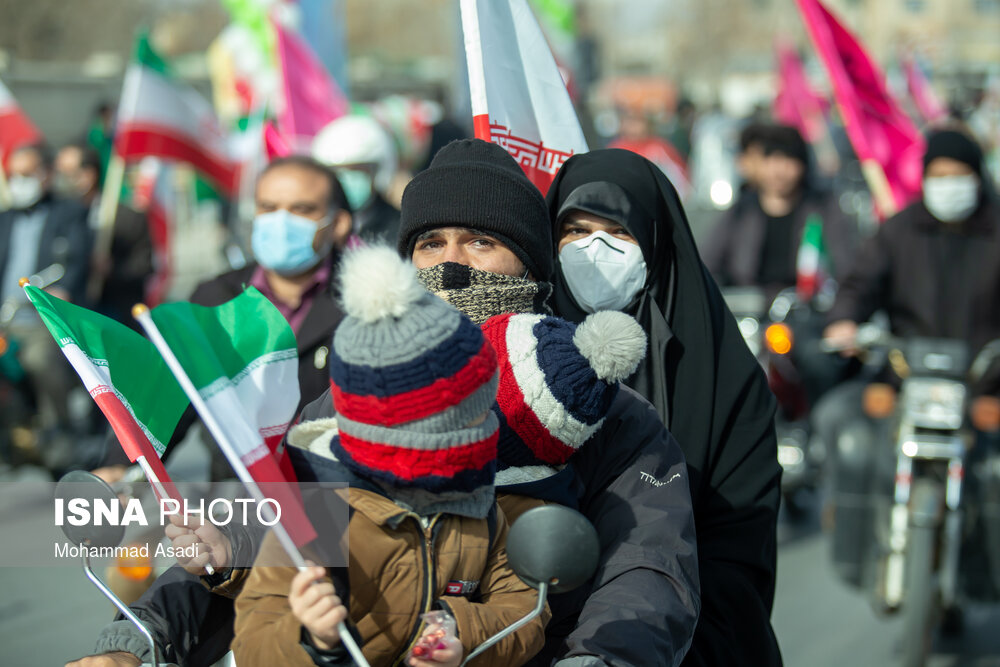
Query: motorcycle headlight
x=931, y=403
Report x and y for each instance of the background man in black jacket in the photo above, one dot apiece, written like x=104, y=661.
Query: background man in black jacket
x=37, y=232
x=934, y=269
x=306, y=297
x=756, y=242
x=124, y=273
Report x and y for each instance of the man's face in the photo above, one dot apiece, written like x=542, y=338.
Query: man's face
x=28, y=163
x=468, y=247
x=69, y=168
x=304, y=193
x=780, y=175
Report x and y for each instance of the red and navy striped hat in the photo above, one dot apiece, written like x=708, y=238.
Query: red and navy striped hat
x=557, y=382
x=412, y=381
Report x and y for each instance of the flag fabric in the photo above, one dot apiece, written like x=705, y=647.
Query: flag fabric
x=242, y=358
x=664, y=155
x=796, y=103
x=323, y=23
x=310, y=98
x=887, y=143
x=812, y=262
x=161, y=116
x=924, y=98
x=519, y=99
x=124, y=374
x=161, y=217
x=16, y=129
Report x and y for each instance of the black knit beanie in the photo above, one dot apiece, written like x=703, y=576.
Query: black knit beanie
x=955, y=145
x=476, y=184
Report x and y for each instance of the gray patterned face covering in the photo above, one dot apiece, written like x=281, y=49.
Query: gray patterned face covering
x=481, y=294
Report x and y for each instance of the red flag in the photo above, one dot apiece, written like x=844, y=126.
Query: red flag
x=16, y=129
x=924, y=98
x=274, y=142
x=886, y=141
x=311, y=99
x=796, y=103
x=519, y=100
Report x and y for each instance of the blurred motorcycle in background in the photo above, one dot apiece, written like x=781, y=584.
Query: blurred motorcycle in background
x=917, y=520
x=784, y=336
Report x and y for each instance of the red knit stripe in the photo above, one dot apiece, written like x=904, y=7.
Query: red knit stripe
x=520, y=417
x=419, y=403
x=411, y=464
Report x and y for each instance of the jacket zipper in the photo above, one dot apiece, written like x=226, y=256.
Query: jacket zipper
x=428, y=593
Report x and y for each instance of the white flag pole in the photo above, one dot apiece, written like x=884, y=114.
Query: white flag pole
x=141, y=313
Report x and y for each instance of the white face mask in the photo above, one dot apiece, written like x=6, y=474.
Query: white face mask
x=24, y=191
x=951, y=198
x=602, y=272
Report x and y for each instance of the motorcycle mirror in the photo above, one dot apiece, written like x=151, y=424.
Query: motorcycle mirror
x=551, y=548
x=553, y=544
x=95, y=491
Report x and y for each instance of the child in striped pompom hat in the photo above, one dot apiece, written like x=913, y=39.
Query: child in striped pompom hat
x=412, y=381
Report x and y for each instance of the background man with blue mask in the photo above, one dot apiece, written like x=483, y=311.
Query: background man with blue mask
x=302, y=221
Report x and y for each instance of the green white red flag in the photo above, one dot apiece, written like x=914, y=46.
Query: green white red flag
x=519, y=99
x=16, y=128
x=161, y=116
x=812, y=263
x=124, y=374
x=241, y=358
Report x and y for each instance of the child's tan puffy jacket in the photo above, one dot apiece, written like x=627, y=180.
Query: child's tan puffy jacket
x=398, y=569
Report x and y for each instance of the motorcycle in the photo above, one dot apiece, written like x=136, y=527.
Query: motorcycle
x=783, y=336
x=909, y=520
x=552, y=548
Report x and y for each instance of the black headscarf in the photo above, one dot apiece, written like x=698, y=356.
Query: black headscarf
x=709, y=390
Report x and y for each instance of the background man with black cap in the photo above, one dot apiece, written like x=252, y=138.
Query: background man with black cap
x=934, y=269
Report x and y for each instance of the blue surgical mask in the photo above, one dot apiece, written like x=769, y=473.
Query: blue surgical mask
x=283, y=242
x=357, y=187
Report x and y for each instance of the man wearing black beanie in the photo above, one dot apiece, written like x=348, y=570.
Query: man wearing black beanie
x=934, y=268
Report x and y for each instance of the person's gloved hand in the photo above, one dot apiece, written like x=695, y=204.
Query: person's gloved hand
x=316, y=605
x=114, y=659
x=214, y=548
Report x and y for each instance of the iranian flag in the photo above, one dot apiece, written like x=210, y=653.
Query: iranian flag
x=519, y=99
x=239, y=363
x=16, y=129
x=812, y=263
x=162, y=117
x=125, y=375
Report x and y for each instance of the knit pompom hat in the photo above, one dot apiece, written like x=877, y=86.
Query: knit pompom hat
x=557, y=383
x=411, y=378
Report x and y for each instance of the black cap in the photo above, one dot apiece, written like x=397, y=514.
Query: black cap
x=955, y=145
x=476, y=184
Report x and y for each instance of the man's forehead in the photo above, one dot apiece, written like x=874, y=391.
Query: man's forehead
x=453, y=230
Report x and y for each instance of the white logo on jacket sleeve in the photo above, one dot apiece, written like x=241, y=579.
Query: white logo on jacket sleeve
x=646, y=477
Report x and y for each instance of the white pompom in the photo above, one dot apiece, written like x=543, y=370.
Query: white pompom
x=375, y=283
x=612, y=342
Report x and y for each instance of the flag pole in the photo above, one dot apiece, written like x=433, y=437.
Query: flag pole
x=106, y=214
x=141, y=313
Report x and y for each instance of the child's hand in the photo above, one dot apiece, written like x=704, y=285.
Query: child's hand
x=438, y=645
x=449, y=656
x=317, y=607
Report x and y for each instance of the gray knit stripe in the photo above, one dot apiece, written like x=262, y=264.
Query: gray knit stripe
x=457, y=416
x=406, y=439
x=427, y=324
